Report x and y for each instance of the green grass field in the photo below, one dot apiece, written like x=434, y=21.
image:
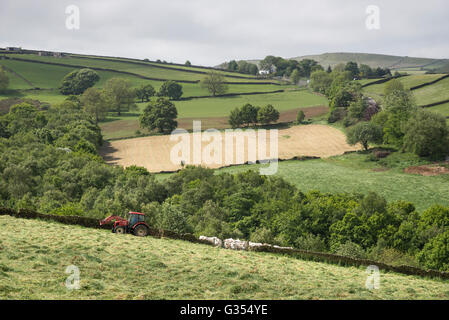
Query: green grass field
x=426, y=95
x=116, y=127
x=434, y=93
x=126, y=267
x=172, y=66
x=442, y=109
x=148, y=69
x=46, y=76
x=354, y=173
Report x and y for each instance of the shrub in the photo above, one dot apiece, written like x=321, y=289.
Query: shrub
x=427, y=135
x=76, y=82
x=174, y=219
x=435, y=254
x=350, y=249
x=170, y=89
x=262, y=235
x=267, y=114
x=300, y=117
x=311, y=242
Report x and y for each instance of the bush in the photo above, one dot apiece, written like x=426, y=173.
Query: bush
x=160, y=114
x=76, y=82
x=350, y=249
x=170, y=89
x=262, y=235
x=311, y=242
x=267, y=114
x=435, y=254
x=427, y=135
x=300, y=117
x=174, y=219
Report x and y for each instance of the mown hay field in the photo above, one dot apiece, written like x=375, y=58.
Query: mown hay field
x=35, y=254
x=154, y=153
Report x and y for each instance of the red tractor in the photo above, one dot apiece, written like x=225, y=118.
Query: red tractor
x=135, y=224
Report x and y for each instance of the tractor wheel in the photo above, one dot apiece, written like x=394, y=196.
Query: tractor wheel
x=141, y=231
x=120, y=230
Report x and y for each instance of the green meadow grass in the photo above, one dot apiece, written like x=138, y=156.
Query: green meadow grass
x=49, y=77
x=16, y=82
x=434, y=93
x=407, y=81
x=426, y=95
x=442, y=109
x=218, y=107
x=35, y=254
x=355, y=173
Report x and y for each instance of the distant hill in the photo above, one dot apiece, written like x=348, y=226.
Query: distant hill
x=377, y=60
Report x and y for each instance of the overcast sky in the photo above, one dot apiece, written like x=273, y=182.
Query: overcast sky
x=208, y=32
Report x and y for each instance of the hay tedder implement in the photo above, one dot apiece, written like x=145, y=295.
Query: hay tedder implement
x=134, y=224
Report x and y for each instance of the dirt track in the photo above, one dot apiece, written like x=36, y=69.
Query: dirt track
x=153, y=152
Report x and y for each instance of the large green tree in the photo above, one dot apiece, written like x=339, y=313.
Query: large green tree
x=145, y=92
x=364, y=133
x=95, y=103
x=427, y=135
x=249, y=114
x=267, y=114
x=170, y=89
x=120, y=95
x=160, y=114
x=235, y=118
x=214, y=82
x=77, y=81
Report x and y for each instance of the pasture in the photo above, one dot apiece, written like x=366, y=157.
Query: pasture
x=154, y=153
x=357, y=173
x=214, y=111
x=150, y=268
x=426, y=95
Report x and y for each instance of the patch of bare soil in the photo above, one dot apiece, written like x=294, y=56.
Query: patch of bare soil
x=429, y=169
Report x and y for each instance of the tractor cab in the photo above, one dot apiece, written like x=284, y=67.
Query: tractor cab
x=134, y=218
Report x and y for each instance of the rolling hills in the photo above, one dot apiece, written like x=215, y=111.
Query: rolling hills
x=126, y=267
x=409, y=64
x=376, y=60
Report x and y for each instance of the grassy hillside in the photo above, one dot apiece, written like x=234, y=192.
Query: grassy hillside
x=27, y=75
x=126, y=267
x=434, y=93
x=355, y=173
x=373, y=60
x=441, y=109
x=429, y=94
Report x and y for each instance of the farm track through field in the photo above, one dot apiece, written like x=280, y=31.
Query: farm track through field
x=154, y=153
